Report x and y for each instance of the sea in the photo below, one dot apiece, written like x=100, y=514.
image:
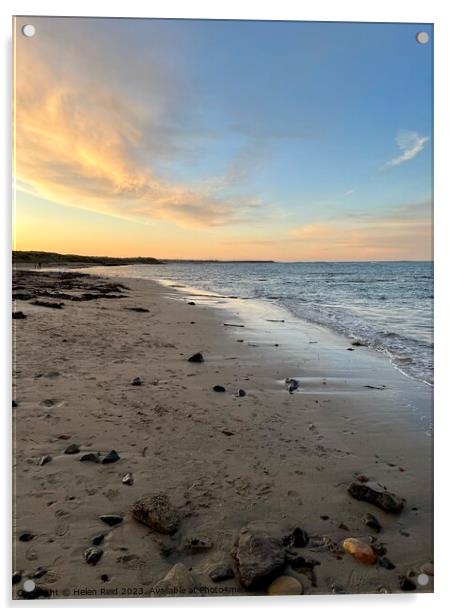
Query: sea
x=385, y=305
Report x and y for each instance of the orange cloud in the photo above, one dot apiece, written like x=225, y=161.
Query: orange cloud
x=405, y=233
x=85, y=144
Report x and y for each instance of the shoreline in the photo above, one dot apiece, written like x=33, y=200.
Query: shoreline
x=225, y=460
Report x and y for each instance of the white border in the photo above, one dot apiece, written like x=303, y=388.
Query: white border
x=427, y=11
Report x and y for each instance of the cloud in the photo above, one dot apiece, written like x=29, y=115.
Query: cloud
x=411, y=143
x=83, y=138
x=404, y=233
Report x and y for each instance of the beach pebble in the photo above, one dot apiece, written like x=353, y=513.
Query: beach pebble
x=221, y=572
x=197, y=544
x=360, y=550
x=219, y=388
x=111, y=457
x=111, y=519
x=36, y=593
x=19, y=315
x=45, y=460
x=93, y=555
x=241, y=393
x=285, y=585
x=15, y=404
x=191, y=303
x=227, y=432
x=177, y=579
x=17, y=576
x=428, y=569
x=98, y=539
x=197, y=358
x=25, y=537
x=337, y=589
x=39, y=573
x=259, y=556
x=104, y=577
x=406, y=584
x=157, y=513
x=384, y=500
x=371, y=521
x=72, y=449
x=292, y=385
x=136, y=381
x=300, y=562
x=298, y=538
x=90, y=457
x=386, y=563
x=127, y=479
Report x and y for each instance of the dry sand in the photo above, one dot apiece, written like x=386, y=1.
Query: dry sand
x=224, y=461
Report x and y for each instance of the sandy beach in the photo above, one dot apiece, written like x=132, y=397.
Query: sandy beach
x=252, y=461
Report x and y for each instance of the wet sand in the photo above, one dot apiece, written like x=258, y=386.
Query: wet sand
x=270, y=457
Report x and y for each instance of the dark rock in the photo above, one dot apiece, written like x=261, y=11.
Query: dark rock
x=219, y=388
x=260, y=557
x=157, y=513
x=71, y=449
x=350, y=349
x=406, y=584
x=90, y=457
x=137, y=309
x=298, y=538
x=111, y=457
x=386, y=563
x=384, y=500
x=93, y=555
x=19, y=315
x=197, y=544
x=227, y=432
x=357, y=343
x=36, y=593
x=197, y=358
x=104, y=577
x=45, y=460
x=98, y=539
x=17, y=576
x=127, y=479
x=371, y=521
x=292, y=385
x=191, y=303
x=111, y=519
x=241, y=393
x=26, y=537
x=39, y=573
x=15, y=404
x=136, y=381
x=40, y=302
x=300, y=562
x=337, y=589
x=221, y=572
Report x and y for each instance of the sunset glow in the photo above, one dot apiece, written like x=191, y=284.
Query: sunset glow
x=222, y=140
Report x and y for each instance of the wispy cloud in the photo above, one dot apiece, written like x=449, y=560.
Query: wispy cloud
x=85, y=141
x=397, y=234
x=410, y=143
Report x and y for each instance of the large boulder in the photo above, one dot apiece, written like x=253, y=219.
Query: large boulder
x=157, y=513
x=260, y=556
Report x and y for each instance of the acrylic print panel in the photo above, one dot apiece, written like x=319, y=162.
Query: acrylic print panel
x=222, y=308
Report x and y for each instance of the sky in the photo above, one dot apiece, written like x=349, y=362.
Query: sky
x=194, y=139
